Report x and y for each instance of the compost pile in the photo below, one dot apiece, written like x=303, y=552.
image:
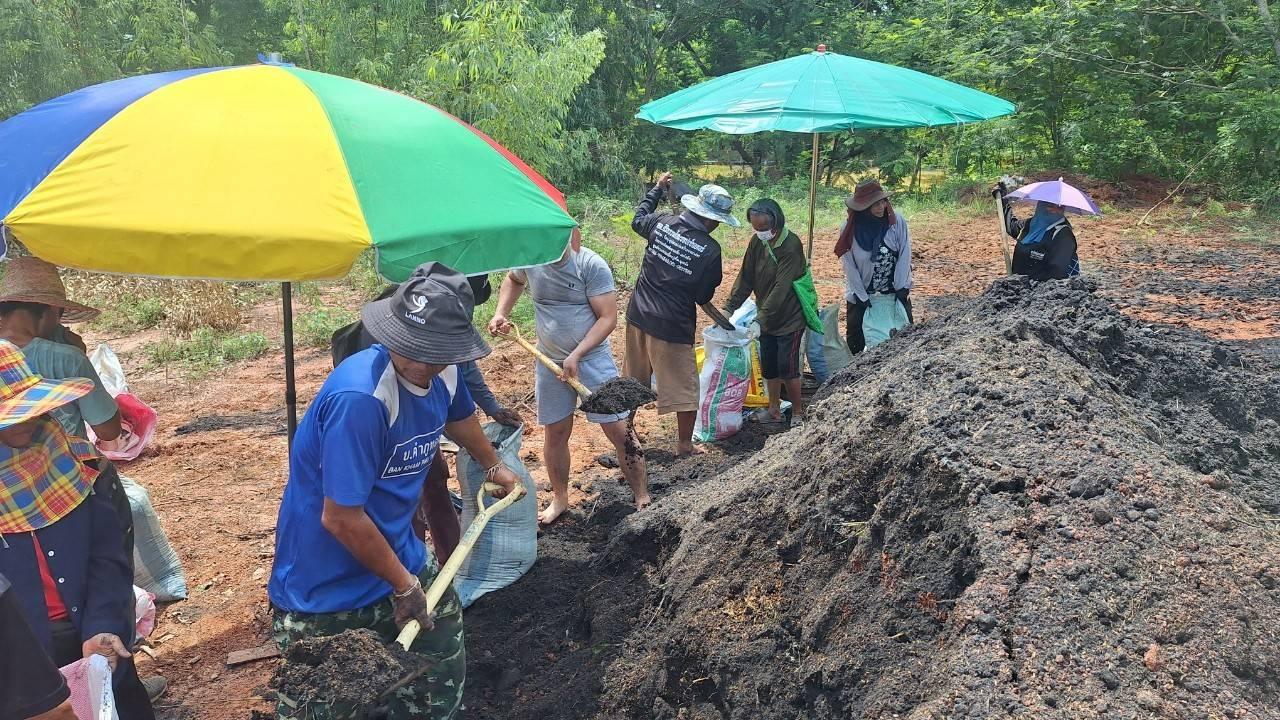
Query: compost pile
x=351, y=669
x=1032, y=507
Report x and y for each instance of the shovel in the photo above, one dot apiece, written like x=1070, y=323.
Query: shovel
x=617, y=396
x=441, y=584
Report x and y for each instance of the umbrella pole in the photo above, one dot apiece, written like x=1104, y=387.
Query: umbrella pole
x=813, y=191
x=290, y=393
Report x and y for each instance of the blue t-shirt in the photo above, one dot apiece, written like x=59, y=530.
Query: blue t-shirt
x=367, y=440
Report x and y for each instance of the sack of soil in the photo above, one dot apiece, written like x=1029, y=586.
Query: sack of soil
x=835, y=350
x=885, y=316
x=509, y=545
x=156, y=567
x=722, y=383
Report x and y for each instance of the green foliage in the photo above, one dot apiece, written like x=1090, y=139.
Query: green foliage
x=207, y=350
x=315, y=327
x=1172, y=88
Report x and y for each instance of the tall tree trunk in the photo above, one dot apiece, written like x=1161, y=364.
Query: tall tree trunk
x=1264, y=11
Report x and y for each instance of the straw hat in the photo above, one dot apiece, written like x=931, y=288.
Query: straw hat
x=25, y=395
x=30, y=279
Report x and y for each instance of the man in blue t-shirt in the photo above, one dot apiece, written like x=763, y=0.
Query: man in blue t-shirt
x=347, y=556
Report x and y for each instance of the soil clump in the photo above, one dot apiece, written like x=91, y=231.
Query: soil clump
x=618, y=395
x=352, y=669
x=1031, y=506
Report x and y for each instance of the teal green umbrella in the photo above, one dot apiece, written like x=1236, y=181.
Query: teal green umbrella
x=822, y=92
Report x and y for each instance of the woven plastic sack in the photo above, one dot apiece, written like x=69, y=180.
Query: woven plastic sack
x=156, y=567
x=723, y=383
x=89, y=681
x=508, y=546
x=835, y=351
x=885, y=316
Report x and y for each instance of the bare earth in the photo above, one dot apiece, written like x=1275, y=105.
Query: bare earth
x=218, y=491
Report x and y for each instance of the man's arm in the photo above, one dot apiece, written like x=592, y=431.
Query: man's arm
x=710, y=280
x=98, y=408
x=352, y=527
x=646, y=217
x=437, y=508
x=605, y=308
x=512, y=287
x=479, y=389
x=468, y=434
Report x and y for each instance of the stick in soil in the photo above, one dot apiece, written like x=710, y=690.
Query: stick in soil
x=619, y=395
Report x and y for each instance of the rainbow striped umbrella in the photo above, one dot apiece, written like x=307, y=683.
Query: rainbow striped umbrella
x=266, y=172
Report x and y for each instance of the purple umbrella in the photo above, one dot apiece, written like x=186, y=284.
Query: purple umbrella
x=1058, y=193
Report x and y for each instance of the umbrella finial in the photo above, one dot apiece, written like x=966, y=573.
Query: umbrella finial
x=822, y=47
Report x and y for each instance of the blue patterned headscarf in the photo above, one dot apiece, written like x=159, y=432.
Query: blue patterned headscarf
x=1041, y=223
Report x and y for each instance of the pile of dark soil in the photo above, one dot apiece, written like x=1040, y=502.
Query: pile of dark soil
x=540, y=647
x=619, y=395
x=1033, y=506
x=353, y=669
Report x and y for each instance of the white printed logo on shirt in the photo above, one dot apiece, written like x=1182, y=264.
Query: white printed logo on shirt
x=412, y=456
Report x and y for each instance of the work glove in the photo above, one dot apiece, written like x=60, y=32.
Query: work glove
x=999, y=189
x=412, y=605
x=862, y=304
x=904, y=294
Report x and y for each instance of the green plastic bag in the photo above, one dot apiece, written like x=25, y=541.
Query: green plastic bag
x=806, y=292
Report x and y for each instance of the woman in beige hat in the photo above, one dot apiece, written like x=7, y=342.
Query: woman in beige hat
x=875, y=249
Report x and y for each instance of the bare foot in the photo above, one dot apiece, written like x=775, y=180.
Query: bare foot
x=683, y=450
x=642, y=501
x=552, y=512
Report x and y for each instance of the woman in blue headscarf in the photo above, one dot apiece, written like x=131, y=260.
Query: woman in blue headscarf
x=1046, y=248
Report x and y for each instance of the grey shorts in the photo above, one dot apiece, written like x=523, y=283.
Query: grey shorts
x=557, y=401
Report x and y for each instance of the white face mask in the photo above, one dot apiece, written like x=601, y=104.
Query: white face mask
x=765, y=235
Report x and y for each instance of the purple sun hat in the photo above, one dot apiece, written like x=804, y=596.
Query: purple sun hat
x=1058, y=193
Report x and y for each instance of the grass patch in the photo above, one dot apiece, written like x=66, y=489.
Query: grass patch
x=315, y=327
x=207, y=350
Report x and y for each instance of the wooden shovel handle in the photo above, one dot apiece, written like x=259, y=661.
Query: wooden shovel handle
x=444, y=580
x=551, y=364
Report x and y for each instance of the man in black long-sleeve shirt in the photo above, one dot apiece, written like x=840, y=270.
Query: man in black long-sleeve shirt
x=681, y=269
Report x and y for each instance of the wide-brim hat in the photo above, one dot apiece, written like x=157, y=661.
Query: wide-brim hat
x=713, y=203
x=30, y=279
x=25, y=395
x=866, y=194
x=428, y=318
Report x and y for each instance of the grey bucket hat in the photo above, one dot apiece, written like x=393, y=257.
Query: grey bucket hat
x=428, y=318
x=712, y=202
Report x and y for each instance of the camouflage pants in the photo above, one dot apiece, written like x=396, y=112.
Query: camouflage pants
x=437, y=694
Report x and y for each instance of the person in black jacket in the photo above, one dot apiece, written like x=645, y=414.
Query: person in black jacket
x=1046, y=248
x=682, y=268
x=30, y=685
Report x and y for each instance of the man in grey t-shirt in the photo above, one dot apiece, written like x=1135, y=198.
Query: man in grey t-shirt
x=576, y=309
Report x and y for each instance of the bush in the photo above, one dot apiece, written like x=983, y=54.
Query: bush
x=207, y=349
x=315, y=327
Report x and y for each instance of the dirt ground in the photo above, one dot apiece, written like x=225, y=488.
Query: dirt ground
x=558, y=642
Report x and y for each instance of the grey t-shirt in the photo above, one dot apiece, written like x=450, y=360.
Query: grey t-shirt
x=560, y=293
